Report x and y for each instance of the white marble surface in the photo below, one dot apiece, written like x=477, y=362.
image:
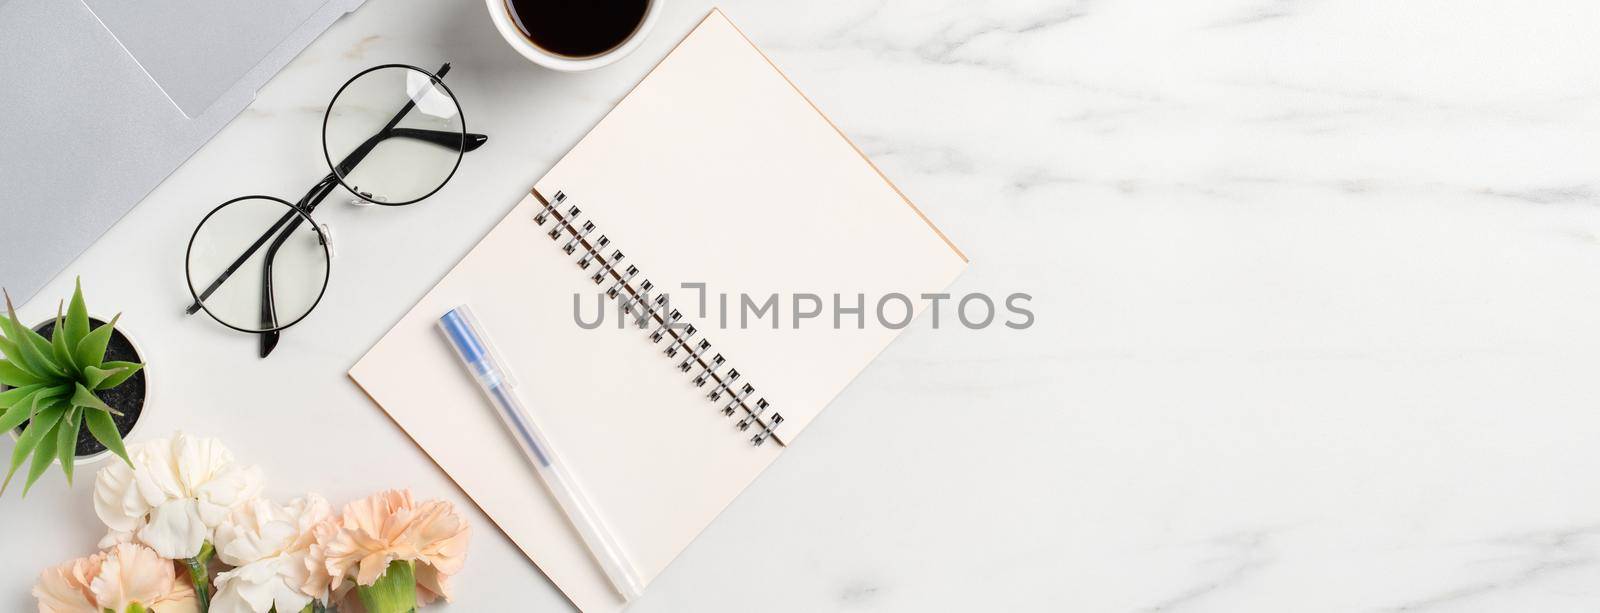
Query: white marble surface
x=1317, y=283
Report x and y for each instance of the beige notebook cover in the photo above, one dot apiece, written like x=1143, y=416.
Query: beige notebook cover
x=715, y=170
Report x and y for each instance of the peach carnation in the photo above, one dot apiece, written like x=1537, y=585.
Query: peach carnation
x=387, y=526
x=65, y=588
x=115, y=580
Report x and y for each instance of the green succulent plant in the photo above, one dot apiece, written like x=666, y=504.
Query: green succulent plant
x=53, y=381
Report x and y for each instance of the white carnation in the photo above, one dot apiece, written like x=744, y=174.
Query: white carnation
x=175, y=494
x=267, y=544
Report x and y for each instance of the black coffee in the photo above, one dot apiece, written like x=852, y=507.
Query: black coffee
x=577, y=28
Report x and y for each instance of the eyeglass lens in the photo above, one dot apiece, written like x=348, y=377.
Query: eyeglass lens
x=271, y=261
x=399, y=163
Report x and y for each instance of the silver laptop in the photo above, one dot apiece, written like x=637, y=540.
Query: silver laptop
x=101, y=99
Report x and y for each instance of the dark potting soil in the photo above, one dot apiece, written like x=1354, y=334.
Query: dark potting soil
x=128, y=397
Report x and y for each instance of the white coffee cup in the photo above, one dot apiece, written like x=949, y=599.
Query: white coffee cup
x=501, y=14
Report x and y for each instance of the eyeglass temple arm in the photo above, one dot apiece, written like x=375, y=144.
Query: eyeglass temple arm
x=452, y=140
x=269, y=311
x=269, y=339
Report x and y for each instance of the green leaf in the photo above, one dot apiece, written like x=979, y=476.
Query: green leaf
x=15, y=396
x=77, y=317
x=42, y=345
x=28, y=406
x=38, y=427
x=47, y=355
x=42, y=394
x=87, y=399
x=8, y=348
x=15, y=376
x=82, y=397
x=105, y=431
x=128, y=368
x=49, y=396
x=94, y=376
x=28, y=343
x=92, y=349
x=67, y=441
x=14, y=417
x=31, y=404
x=58, y=343
x=40, y=405
x=43, y=455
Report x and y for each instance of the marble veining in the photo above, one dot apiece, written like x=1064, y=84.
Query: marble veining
x=1315, y=286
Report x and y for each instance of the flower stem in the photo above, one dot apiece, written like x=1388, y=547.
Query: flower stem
x=200, y=576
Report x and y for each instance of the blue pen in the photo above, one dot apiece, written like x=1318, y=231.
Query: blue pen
x=468, y=339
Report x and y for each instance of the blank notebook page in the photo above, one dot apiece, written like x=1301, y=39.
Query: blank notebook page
x=715, y=170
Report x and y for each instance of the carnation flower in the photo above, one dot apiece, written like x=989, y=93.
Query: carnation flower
x=65, y=588
x=387, y=527
x=268, y=545
x=174, y=495
x=125, y=577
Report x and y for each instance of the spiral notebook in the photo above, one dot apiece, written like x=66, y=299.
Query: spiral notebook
x=714, y=170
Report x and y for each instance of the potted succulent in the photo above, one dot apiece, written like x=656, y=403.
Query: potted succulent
x=73, y=388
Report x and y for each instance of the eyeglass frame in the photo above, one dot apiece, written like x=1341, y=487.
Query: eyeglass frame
x=301, y=211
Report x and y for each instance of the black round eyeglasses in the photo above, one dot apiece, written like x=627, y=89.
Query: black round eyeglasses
x=259, y=264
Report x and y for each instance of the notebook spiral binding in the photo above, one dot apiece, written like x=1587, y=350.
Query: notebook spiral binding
x=658, y=317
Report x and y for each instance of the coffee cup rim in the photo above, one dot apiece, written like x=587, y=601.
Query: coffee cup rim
x=500, y=14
